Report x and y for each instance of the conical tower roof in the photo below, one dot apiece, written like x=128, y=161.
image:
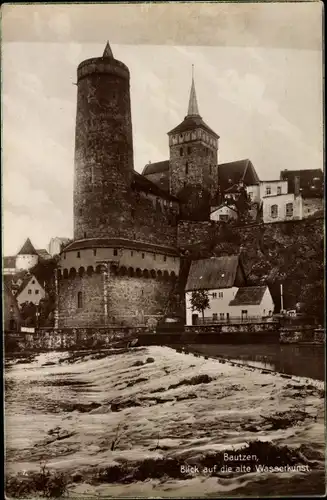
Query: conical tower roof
x=107, y=51
x=27, y=249
x=193, y=109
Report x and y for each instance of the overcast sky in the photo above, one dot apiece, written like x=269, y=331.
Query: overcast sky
x=258, y=77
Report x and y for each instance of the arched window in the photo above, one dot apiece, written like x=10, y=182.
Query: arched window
x=274, y=211
x=289, y=209
x=181, y=152
x=79, y=300
x=186, y=168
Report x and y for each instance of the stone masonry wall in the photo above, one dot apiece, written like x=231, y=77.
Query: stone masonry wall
x=92, y=311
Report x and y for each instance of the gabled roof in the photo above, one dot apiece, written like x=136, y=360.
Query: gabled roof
x=9, y=262
x=213, y=273
x=27, y=249
x=43, y=253
x=25, y=281
x=248, y=296
x=140, y=182
x=231, y=207
x=233, y=172
x=192, y=123
x=156, y=168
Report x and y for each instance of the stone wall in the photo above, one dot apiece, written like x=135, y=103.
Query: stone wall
x=310, y=206
x=302, y=335
x=69, y=339
x=113, y=300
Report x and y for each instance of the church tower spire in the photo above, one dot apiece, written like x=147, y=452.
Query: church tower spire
x=193, y=109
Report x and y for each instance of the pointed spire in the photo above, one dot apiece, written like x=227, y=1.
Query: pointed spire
x=193, y=104
x=107, y=51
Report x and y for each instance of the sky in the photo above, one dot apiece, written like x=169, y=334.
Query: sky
x=258, y=78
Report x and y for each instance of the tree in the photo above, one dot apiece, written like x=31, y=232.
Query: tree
x=200, y=301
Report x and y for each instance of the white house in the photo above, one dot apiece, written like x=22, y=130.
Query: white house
x=28, y=289
x=229, y=297
x=224, y=213
x=282, y=207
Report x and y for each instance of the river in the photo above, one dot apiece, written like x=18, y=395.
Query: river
x=302, y=361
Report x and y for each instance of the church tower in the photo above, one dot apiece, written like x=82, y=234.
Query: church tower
x=193, y=153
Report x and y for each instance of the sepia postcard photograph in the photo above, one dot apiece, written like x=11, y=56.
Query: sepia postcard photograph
x=163, y=250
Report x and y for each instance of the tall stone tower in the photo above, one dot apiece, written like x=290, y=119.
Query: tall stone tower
x=193, y=153
x=122, y=265
x=103, y=148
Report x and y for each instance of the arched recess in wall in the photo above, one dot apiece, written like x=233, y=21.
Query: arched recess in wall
x=90, y=270
x=173, y=276
x=130, y=272
x=72, y=272
x=65, y=273
x=166, y=275
x=113, y=269
x=98, y=269
x=138, y=272
x=59, y=274
x=153, y=273
x=81, y=271
x=146, y=273
x=122, y=271
x=159, y=275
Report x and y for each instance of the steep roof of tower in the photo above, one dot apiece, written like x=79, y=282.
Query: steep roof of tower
x=107, y=51
x=192, y=123
x=236, y=171
x=156, y=168
x=213, y=273
x=193, y=109
x=27, y=249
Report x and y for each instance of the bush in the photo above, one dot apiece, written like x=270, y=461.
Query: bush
x=48, y=484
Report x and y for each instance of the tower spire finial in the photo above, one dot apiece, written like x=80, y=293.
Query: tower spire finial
x=193, y=109
x=107, y=51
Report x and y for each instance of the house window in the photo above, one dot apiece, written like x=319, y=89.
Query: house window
x=36, y=292
x=29, y=292
x=189, y=150
x=221, y=295
x=250, y=195
x=222, y=316
x=227, y=316
x=215, y=316
x=214, y=295
x=64, y=255
x=33, y=281
x=274, y=211
x=94, y=252
x=143, y=255
x=244, y=313
x=289, y=209
x=165, y=258
x=132, y=253
x=181, y=152
x=268, y=190
x=154, y=256
x=279, y=190
x=84, y=235
x=79, y=300
x=186, y=168
x=115, y=251
x=78, y=255
x=223, y=218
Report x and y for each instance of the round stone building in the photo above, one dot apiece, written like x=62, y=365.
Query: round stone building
x=122, y=266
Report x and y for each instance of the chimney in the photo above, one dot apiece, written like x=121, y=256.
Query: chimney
x=296, y=185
